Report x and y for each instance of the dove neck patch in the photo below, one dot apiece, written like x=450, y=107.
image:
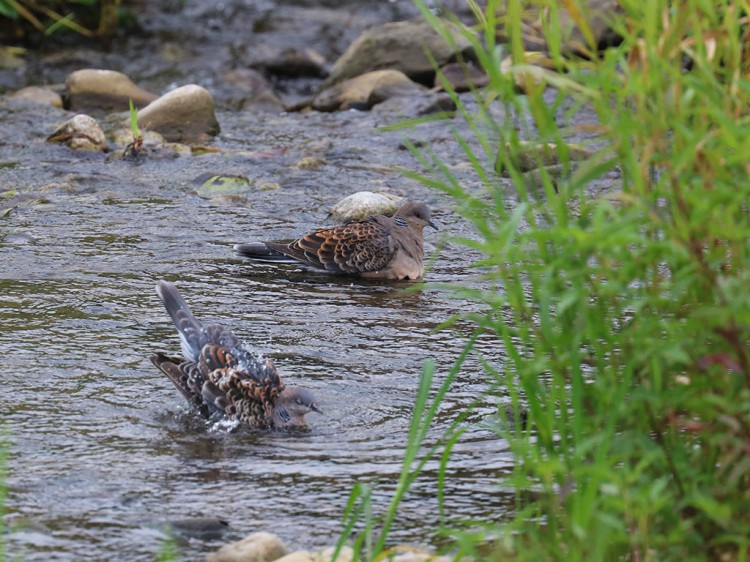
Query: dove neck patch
x=400, y=221
x=283, y=414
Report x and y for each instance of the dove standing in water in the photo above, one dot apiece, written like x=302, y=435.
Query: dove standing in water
x=378, y=247
x=218, y=375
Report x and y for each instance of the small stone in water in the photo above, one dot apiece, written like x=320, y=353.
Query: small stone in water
x=82, y=132
x=362, y=204
x=258, y=547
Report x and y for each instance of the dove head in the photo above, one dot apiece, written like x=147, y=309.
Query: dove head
x=416, y=214
x=293, y=403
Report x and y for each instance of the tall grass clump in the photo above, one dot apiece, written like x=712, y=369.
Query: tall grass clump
x=624, y=317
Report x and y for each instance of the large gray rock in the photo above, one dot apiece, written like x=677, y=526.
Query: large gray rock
x=82, y=132
x=103, y=91
x=399, y=46
x=185, y=115
x=258, y=547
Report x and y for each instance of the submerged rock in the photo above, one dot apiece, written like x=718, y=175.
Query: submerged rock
x=185, y=115
x=209, y=186
x=400, y=46
x=202, y=528
x=103, y=91
x=82, y=132
x=355, y=92
x=258, y=547
x=358, y=206
x=37, y=95
x=532, y=155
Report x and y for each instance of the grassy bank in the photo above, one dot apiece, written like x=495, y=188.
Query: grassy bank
x=625, y=317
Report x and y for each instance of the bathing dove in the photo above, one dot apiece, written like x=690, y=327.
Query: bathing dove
x=378, y=247
x=218, y=375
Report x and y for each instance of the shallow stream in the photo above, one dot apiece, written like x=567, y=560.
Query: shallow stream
x=103, y=449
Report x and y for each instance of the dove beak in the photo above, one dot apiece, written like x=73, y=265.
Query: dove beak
x=433, y=225
x=314, y=408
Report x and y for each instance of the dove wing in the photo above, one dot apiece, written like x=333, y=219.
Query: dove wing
x=351, y=248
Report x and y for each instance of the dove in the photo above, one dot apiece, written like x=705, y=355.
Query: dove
x=220, y=377
x=378, y=247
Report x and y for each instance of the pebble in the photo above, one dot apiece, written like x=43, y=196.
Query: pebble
x=103, y=91
x=37, y=95
x=355, y=92
x=258, y=547
x=81, y=132
x=186, y=114
x=358, y=206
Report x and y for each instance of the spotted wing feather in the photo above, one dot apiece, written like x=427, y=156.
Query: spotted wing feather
x=351, y=248
x=251, y=391
x=186, y=376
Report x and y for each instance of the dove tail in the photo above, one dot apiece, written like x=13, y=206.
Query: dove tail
x=259, y=251
x=187, y=325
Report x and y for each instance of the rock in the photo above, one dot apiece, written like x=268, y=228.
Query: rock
x=265, y=101
x=346, y=554
x=201, y=528
x=209, y=186
x=362, y=204
x=153, y=145
x=532, y=155
x=183, y=115
x=405, y=553
x=251, y=91
x=600, y=15
x=534, y=179
x=400, y=46
x=310, y=163
x=462, y=77
x=258, y=547
x=247, y=80
x=530, y=76
x=355, y=92
x=416, y=105
x=297, y=556
x=11, y=58
x=37, y=95
x=103, y=91
x=297, y=63
x=82, y=132
x=383, y=92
